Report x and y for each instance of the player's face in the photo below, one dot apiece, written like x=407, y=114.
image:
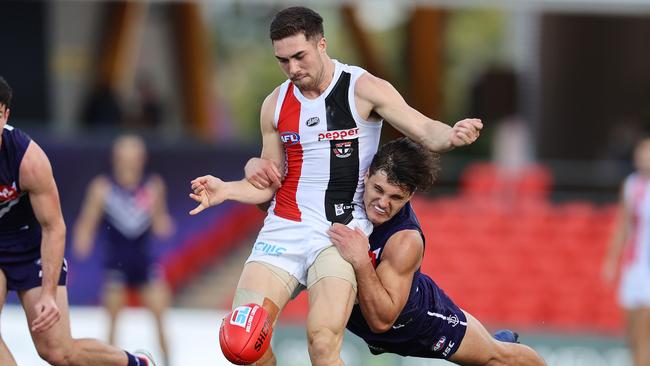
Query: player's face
x=382, y=199
x=4, y=115
x=301, y=60
x=642, y=157
x=129, y=157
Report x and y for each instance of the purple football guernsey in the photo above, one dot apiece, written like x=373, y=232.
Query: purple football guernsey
x=20, y=233
x=127, y=223
x=430, y=325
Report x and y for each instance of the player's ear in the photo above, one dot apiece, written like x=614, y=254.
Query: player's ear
x=365, y=178
x=322, y=45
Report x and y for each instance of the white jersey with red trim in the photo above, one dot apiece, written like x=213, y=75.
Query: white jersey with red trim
x=328, y=149
x=636, y=193
x=634, y=291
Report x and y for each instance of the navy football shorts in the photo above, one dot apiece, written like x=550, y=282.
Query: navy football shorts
x=133, y=275
x=437, y=332
x=27, y=274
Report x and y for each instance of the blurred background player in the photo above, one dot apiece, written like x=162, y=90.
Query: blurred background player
x=32, y=243
x=325, y=123
x=632, y=238
x=400, y=309
x=131, y=206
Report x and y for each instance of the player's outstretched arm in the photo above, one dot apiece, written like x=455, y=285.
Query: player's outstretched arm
x=210, y=191
x=37, y=179
x=382, y=98
x=383, y=291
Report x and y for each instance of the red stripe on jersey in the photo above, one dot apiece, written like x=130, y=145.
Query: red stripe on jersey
x=289, y=128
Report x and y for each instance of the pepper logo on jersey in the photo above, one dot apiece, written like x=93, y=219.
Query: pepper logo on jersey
x=8, y=193
x=312, y=121
x=290, y=138
x=343, y=149
x=348, y=134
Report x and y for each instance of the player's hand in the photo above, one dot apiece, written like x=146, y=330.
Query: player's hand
x=465, y=132
x=351, y=243
x=262, y=173
x=47, y=314
x=208, y=191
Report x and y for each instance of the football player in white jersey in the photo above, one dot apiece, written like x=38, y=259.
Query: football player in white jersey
x=320, y=130
x=632, y=238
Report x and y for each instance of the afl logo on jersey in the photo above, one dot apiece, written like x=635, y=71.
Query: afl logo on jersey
x=312, y=121
x=290, y=138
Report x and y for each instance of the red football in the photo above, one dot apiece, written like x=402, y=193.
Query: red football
x=245, y=334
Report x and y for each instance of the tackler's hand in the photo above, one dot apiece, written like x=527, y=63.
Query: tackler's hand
x=262, y=173
x=351, y=243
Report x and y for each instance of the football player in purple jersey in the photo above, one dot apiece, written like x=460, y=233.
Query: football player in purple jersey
x=400, y=309
x=32, y=242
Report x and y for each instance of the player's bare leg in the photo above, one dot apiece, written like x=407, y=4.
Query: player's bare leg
x=330, y=303
x=263, y=286
x=5, y=356
x=480, y=348
x=56, y=345
x=114, y=299
x=156, y=297
x=638, y=335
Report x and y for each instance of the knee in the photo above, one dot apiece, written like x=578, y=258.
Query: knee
x=56, y=356
x=323, y=342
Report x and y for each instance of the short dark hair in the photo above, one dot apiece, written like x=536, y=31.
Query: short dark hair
x=5, y=93
x=407, y=164
x=294, y=20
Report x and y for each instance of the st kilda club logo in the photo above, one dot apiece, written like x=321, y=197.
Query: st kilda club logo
x=343, y=149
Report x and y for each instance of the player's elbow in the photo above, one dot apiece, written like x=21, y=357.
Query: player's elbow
x=379, y=326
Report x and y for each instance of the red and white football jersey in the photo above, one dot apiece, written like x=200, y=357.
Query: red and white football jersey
x=328, y=149
x=636, y=193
